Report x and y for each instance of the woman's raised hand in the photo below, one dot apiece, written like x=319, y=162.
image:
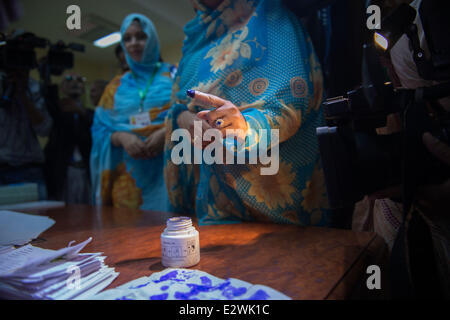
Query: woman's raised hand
x=225, y=116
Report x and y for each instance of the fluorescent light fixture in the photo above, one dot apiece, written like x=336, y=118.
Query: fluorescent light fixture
x=380, y=40
x=108, y=40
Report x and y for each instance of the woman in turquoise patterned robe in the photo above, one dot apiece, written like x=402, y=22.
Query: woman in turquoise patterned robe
x=256, y=55
x=122, y=174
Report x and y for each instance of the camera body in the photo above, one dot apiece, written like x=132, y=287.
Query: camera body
x=356, y=160
x=60, y=57
x=18, y=53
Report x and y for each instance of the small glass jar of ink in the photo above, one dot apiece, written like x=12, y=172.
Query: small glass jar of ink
x=180, y=245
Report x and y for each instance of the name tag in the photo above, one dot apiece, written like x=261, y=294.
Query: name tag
x=141, y=119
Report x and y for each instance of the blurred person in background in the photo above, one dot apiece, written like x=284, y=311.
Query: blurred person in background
x=128, y=130
x=69, y=146
x=97, y=88
x=418, y=239
x=23, y=117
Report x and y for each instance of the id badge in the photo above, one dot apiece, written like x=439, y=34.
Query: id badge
x=141, y=119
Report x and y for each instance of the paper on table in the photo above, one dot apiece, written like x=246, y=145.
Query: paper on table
x=38, y=275
x=30, y=256
x=87, y=284
x=187, y=284
x=19, y=228
x=95, y=276
x=5, y=249
x=99, y=287
x=16, y=259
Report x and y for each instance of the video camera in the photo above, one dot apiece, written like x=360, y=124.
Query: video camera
x=58, y=59
x=19, y=53
x=356, y=160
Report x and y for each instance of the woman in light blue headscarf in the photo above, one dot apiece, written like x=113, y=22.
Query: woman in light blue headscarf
x=128, y=129
x=255, y=56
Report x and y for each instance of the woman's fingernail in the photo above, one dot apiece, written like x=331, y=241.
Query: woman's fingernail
x=190, y=93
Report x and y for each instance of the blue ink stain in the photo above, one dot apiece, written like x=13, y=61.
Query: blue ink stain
x=187, y=271
x=169, y=276
x=164, y=288
x=223, y=285
x=159, y=296
x=259, y=295
x=186, y=275
x=206, y=281
x=140, y=286
x=124, y=298
x=228, y=292
x=199, y=288
x=196, y=289
x=239, y=291
x=182, y=295
x=232, y=292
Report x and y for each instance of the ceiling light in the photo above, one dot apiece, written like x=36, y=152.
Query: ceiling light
x=108, y=40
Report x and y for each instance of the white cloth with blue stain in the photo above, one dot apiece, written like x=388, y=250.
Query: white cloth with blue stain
x=187, y=284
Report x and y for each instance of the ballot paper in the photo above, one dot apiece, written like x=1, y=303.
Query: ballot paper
x=20, y=228
x=35, y=273
x=7, y=248
x=29, y=256
x=187, y=284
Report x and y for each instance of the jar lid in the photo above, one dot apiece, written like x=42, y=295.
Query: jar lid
x=178, y=223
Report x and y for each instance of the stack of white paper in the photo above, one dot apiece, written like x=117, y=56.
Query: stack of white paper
x=33, y=273
x=19, y=228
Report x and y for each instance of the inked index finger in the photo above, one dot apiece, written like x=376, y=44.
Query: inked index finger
x=206, y=99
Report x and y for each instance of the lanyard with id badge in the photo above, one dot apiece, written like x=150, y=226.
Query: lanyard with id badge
x=142, y=118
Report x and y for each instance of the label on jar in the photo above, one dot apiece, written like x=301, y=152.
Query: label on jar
x=182, y=252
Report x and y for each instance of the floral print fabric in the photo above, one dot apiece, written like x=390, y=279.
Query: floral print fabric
x=257, y=55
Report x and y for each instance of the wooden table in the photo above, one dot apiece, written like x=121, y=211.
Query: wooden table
x=301, y=262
